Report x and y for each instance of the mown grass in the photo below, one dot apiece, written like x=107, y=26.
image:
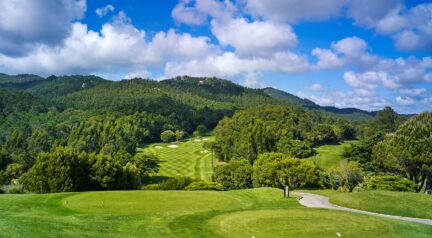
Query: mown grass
x=188, y=159
x=387, y=202
x=243, y=213
x=329, y=156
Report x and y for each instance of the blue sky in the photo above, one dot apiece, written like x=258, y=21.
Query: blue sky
x=346, y=53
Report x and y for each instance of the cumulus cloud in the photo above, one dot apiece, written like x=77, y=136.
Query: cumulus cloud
x=409, y=27
x=196, y=12
x=405, y=101
x=254, y=38
x=316, y=87
x=118, y=45
x=26, y=24
x=295, y=10
x=103, y=11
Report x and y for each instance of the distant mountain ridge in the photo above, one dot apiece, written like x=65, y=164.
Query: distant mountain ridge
x=306, y=103
x=211, y=91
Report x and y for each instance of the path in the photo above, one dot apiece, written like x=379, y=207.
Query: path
x=318, y=201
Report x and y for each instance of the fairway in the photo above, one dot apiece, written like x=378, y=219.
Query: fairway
x=185, y=158
x=329, y=156
x=386, y=202
x=242, y=213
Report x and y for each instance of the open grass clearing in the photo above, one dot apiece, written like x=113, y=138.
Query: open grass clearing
x=329, y=156
x=386, y=202
x=243, y=213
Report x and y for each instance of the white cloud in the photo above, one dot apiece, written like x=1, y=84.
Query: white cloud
x=371, y=80
x=196, y=12
x=405, y=101
x=228, y=65
x=295, y=10
x=350, y=46
x=26, y=24
x=316, y=87
x=254, y=38
x=416, y=92
x=411, y=28
x=327, y=59
x=118, y=46
x=103, y=11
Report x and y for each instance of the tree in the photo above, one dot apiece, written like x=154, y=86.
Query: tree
x=278, y=170
x=408, y=151
x=168, y=136
x=59, y=171
x=147, y=163
x=294, y=148
x=237, y=174
x=347, y=176
x=202, y=129
x=179, y=134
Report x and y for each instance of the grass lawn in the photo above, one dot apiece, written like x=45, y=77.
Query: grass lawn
x=329, y=156
x=386, y=202
x=243, y=213
x=186, y=158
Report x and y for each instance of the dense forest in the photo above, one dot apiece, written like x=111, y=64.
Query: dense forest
x=87, y=129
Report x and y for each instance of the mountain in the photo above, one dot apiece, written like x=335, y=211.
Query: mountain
x=351, y=113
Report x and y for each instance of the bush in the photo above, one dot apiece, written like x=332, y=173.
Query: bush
x=202, y=130
x=346, y=176
x=176, y=183
x=390, y=183
x=205, y=186
x=1, y=191
x=237, y=174
x=168, y=136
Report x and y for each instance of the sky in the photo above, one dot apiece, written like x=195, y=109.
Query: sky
x=366, y=54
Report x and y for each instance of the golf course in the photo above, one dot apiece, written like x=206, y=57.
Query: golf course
x=184, y=158
x=261, y=212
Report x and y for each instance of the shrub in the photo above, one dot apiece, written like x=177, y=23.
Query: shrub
x=205, y=186
x=202, y=130
x=390, y=183
x=237, y=174
x=1, y=191
x=347, y=176
x=176, y=183
x=168, y=136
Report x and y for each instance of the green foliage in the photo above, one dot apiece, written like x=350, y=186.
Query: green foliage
x=179, y=134
x=277, y=170
x=147, y=163
x=294, y=148
x=237, y=174
x=204, y=185
x=251, y=132
x=60, y=171
x=361, y=152
x=64, y=170
x=201, y=129
x=168, y=136
x=346, y=176
x=390, y=183
x=408, y=151
x=176, y=183
x=322, y=134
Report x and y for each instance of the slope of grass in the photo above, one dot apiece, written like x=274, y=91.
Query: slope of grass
x=187, y=159
x=243, y=213
x=329, y=156
x=386, y=202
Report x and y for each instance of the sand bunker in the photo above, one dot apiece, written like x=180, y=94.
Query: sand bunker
x=158, y=147
x=205, y=139
x=197, y=140
x=204, y=151
x=173, y=146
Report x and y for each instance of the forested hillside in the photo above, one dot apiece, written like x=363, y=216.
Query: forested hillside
x=87, y=129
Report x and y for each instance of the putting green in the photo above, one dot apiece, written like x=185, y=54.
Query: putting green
x=310, y=223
